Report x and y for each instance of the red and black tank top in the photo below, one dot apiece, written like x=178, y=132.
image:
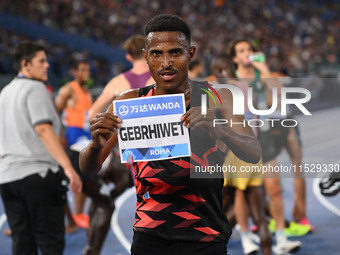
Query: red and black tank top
x=173, y=206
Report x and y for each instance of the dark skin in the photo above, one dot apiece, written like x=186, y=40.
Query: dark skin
x=168, y=55
x=252, y=194
x=102, y=206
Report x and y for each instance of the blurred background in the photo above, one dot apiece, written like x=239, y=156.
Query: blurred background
x=299, y=38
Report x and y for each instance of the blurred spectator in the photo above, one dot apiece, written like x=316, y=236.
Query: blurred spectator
x=195, y=69
x=293, y=37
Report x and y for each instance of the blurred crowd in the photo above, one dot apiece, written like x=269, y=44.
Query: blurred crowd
x=59, y=57
x=296, y=37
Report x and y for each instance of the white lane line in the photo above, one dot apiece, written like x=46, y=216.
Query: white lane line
x=3, y=219
x=114, y=220
x=322, y=199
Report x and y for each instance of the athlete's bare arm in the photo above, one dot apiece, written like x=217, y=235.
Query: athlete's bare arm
x=268, y=79
x=238, y=137
x=64, y=97
x=103, y=137
x=116, y=86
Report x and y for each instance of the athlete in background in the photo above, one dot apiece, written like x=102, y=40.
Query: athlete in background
x=176, y=213
x=138, y=76
x=247, y=186
x=258, y=75
x=74, y=101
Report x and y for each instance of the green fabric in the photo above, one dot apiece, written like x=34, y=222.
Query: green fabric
x=265, y=138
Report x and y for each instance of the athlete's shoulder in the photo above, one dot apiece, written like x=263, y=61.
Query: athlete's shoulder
x=116, y=80
x=117, y=85
x=198, y=83
x=132, y=93
x=66, y=88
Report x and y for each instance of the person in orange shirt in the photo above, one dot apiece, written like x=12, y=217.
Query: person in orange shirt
x=75, y=100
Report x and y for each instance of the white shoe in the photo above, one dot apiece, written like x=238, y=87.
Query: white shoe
x=255, y=238
x=249, y=247
x=287, y=247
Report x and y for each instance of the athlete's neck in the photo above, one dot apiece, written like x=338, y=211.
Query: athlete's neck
x=184, y=88
x=81, y=84
x=139, y=66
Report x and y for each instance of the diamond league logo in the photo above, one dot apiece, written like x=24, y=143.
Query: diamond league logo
x=123, y=110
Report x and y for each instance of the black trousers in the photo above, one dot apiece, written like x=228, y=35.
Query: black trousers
x=148, y=245
x=35, y=212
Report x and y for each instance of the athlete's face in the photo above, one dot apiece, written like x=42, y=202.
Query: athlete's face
x=82, y=73
x=168, y=55
x=37, y=68
x=242, y=52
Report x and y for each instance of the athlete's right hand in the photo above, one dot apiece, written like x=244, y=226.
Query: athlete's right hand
x=102, y=127
x=262, y=67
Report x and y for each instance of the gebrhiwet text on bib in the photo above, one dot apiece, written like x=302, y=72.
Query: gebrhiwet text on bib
x=151, y=128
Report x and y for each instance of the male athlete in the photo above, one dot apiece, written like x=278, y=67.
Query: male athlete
x=247, y=186
x=75, y=100
x=253, y=72
x=180, y=215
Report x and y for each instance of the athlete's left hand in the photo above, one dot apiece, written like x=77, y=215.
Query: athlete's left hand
x=194, y=119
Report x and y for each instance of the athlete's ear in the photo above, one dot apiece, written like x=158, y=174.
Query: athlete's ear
x=192, y=51
x=145, y=54
x=24, y=63
x=235, y=60
x=74, y=72
x=129, y=58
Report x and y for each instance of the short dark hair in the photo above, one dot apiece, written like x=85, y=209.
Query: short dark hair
x=134, y=46
x=231, y=47
x=25, y=51
x=168, y=22
x=76, y=62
